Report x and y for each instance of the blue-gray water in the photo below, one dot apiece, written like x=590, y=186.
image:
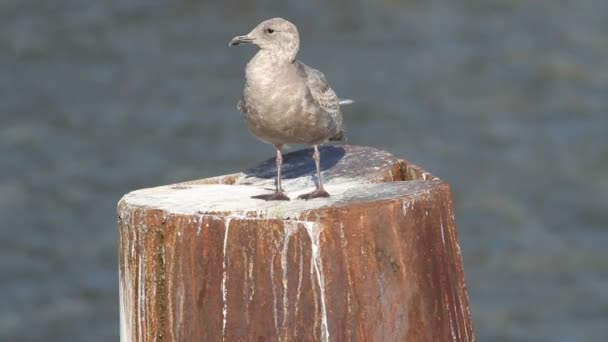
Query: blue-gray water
x=506, y=100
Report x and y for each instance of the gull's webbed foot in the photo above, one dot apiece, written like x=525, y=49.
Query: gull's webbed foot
x=276, y=196
x=315, y=194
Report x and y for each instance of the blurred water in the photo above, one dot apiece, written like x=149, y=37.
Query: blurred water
x=507, y=100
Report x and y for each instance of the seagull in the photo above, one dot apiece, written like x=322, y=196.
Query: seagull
x=285, y=101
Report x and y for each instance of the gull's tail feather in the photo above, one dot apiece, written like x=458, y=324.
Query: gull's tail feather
x=339, y=137
x=343, y=102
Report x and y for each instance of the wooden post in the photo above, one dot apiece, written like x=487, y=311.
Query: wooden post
x=377, y=261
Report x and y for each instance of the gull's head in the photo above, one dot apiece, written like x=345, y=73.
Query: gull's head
x=275, y=34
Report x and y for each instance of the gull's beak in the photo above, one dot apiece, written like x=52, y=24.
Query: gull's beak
x=240, y=40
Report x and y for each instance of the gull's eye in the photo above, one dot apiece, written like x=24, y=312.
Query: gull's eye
x=269, y=30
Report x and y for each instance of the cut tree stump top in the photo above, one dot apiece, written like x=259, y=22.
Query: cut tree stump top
x=376, y=261
x=350, y=174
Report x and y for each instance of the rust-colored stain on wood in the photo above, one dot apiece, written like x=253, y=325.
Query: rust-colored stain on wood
x=380, y=264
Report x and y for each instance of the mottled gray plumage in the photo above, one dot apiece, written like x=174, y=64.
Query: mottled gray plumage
x=284, y=100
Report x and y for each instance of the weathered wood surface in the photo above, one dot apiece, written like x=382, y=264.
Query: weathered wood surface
x=377, y=261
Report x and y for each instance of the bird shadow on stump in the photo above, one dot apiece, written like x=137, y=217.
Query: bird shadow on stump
x=298, y=163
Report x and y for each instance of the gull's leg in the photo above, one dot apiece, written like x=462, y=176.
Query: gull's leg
x=320, y=191
x=279, y=194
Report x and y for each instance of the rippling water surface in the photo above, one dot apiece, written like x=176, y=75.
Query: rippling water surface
x=506, y=100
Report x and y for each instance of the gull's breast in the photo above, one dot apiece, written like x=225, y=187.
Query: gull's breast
x=285, y=113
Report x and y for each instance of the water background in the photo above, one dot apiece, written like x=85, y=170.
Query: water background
x=506, y=100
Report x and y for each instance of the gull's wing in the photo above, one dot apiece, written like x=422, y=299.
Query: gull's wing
x=320, y=90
